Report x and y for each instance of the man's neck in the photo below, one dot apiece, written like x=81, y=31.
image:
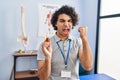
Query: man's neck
x=62, y=37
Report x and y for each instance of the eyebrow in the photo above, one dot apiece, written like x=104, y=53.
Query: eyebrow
x=65, y=20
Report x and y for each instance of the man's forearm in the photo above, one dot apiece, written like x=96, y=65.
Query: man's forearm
x=87, y=59
x=45, y=71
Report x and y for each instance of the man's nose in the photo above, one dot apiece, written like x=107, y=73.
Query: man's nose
x=66, y=23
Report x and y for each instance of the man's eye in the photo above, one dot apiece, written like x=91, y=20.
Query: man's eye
x=62, y=21
x=69, y=20
x=65, y=21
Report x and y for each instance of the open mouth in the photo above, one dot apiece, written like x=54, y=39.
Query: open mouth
x=66, y=31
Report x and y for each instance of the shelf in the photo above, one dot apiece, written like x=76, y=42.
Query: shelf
x=33, y=53
x=25, y=74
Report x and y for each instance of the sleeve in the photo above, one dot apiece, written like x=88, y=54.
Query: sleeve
x=79, y=42
x=40, y=55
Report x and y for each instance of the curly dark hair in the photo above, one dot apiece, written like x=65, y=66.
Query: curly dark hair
x=65, y=9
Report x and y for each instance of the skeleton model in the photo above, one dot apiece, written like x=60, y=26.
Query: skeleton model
x=23, y=39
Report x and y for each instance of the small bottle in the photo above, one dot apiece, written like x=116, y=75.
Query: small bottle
x=47, y=39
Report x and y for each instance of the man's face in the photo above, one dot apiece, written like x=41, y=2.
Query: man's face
x=64, y=25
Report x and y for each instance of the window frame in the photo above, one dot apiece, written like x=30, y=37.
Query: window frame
x=99, y=17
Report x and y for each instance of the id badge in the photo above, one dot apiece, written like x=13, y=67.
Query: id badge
x=65, y=73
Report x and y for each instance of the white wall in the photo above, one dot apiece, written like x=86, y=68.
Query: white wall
x=89, y=19
x=10, y=29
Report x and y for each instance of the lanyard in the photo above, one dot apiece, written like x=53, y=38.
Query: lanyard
x=68, y=52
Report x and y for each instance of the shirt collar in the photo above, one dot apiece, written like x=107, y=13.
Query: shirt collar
x=58, y=39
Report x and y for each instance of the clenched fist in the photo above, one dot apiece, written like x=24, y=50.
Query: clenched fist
x=83, y=31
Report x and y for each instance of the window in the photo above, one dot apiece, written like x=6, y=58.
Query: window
x=108, y=38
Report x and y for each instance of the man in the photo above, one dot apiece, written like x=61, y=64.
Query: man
x=58, y=57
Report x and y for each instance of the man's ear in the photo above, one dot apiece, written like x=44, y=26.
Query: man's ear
x=72, y=27
x=56, y=26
